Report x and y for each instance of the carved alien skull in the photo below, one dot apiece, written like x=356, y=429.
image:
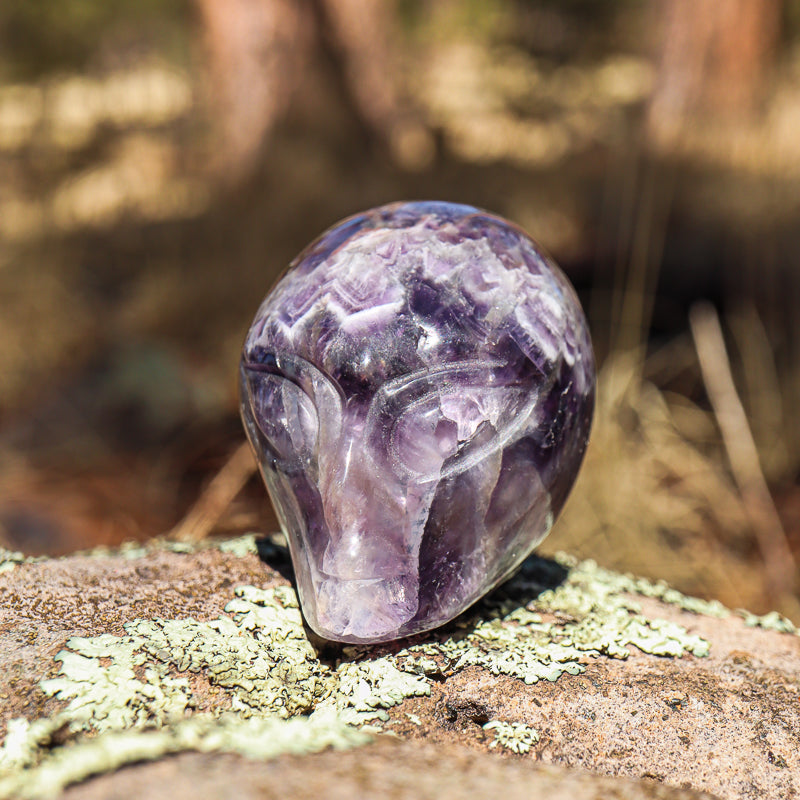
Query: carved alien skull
x=418, y=389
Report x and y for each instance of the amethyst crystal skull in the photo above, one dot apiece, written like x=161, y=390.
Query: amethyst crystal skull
x=418, y=389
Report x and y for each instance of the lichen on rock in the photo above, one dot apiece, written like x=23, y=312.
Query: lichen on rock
x=261, y=656
x=365, y=689
x=592, y=613
x=9, y=559
x=257, y=738
x=514, y=736
x=132, y=696
x=772, y=621
x=110, y=696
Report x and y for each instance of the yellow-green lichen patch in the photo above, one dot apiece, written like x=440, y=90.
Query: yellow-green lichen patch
x=773, y=621
x=514, y=736
x=258, y=738
x=110, y=696
x=593, y=614
x=608, y=621
x=26, y=741
x=240, y=547
x=666, y=594
x=365, y=689
x=9, y=559
x=261, y=656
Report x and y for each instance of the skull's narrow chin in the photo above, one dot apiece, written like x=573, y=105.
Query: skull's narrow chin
x=365, y=610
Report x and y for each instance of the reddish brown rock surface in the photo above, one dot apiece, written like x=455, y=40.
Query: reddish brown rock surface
x=386, y=769
x=728, y=724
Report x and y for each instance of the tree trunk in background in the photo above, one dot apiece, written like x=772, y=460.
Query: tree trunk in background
x=359, y=32
x=259, y=53
x=715, y=61
x=256, y=51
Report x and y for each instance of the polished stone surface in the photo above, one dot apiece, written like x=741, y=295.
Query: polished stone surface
x=418, y=389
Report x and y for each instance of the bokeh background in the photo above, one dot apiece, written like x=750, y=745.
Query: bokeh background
x=161, y=162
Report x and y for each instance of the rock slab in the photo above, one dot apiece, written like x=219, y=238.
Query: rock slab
x=589, y=713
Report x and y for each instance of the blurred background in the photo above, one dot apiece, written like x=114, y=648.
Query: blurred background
x=161, y=162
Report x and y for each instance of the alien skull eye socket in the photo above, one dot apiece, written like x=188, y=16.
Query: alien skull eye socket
x=296, y=409
x=286, y=418
x=437, y=423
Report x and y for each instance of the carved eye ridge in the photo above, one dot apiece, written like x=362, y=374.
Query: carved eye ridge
x=296, y=408
x=485, y=406
x=419, y=418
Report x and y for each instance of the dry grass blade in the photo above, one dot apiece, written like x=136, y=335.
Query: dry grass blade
x=741, y=448
x=760, y=387
x=217, y=497
x=650, y=500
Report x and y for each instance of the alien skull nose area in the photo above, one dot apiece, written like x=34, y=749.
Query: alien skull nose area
x=418, y=389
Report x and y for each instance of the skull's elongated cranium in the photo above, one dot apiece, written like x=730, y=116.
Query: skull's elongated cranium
x=418, y=389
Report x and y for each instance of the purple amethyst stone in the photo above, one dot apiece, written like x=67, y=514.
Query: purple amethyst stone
x=418, y=389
